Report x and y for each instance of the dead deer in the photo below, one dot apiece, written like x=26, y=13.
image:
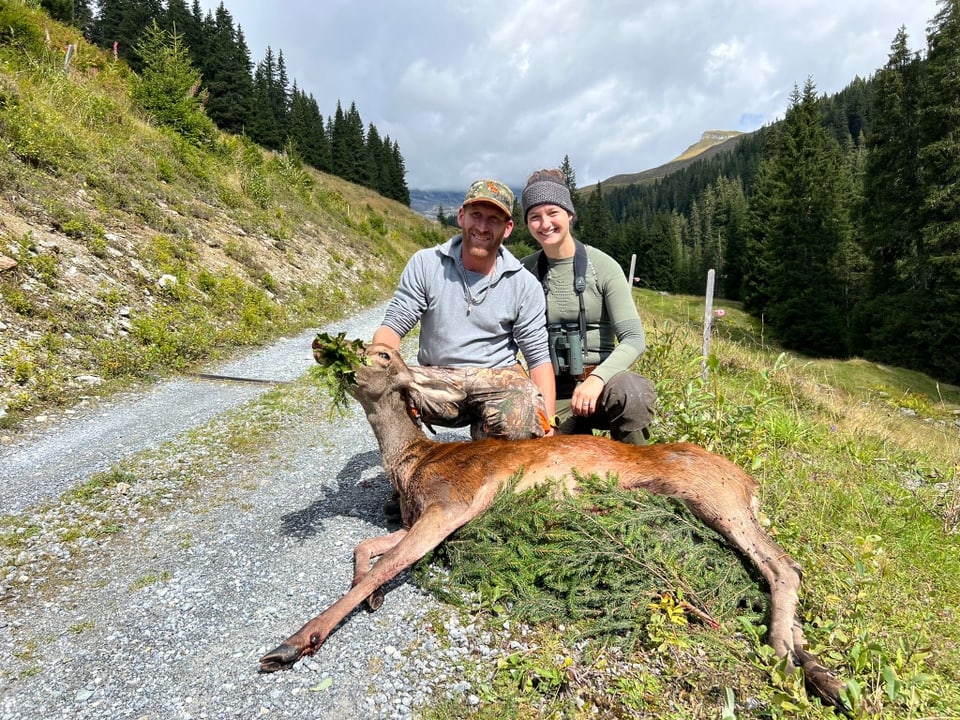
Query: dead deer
x=444, y=485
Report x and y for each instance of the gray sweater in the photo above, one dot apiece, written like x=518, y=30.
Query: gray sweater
x=468, y=319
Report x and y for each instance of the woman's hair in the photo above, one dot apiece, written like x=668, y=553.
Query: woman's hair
x=546, y=187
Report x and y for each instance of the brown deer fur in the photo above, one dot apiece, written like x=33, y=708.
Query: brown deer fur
x=442, y=486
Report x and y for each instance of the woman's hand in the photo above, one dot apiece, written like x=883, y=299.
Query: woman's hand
x=585, y=396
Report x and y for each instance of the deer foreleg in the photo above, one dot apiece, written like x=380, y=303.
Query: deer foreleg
x=429, y=531
x=364, y=553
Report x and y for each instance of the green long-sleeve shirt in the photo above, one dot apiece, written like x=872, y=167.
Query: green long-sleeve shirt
x=615, y=337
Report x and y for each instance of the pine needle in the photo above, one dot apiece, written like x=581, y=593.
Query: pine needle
x=594, y=562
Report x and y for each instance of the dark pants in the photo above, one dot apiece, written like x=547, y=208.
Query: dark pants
x=625, y=408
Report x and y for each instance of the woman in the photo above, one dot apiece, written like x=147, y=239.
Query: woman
x=595, y=332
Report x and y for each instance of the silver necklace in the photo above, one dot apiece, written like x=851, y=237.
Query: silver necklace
x=471, y=299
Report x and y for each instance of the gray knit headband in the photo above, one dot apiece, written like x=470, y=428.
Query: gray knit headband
x=546, y=192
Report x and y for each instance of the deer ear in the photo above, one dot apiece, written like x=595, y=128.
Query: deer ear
x=435, y=397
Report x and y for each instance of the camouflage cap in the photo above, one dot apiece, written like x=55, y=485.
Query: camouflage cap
x=491, y=191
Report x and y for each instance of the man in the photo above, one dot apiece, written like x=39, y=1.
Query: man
x=479, y=309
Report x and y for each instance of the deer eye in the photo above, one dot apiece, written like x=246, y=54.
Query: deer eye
x=383, y=355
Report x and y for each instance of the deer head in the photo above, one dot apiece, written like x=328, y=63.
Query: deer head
x=382, y=371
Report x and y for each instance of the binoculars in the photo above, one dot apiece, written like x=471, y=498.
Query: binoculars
x=566, y=348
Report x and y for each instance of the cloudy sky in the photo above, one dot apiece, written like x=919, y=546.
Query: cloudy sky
x=474, y=89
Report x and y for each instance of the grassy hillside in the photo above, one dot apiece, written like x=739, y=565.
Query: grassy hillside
x=129, y=252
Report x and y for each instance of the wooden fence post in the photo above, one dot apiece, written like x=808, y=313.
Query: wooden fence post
x=707, y=323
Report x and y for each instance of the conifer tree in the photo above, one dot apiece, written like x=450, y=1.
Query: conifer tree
x=398, y=177
x=279, y=94
x=728, y=243
x=167, y=88
x=889, y=212
x=657, y=247
x=375, y=162
x=800, y=221
x=226, y=75
x=570, y=179
x=178, y=19
x=83, y=15
x=132, y=17
x=354, y=144
x=597, y=227
x=938, y=328
x=265, y=127
x=339, y=150
x=307, y=130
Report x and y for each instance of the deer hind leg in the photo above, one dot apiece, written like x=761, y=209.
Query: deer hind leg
x=740, y=527
x=726, y=502
x=722, y=496
x=783, y=576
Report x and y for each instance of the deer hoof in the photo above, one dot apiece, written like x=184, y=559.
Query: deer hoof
x=283, y=657
x=375, y=599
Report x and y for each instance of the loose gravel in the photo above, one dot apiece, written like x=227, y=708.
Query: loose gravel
x=155, y=595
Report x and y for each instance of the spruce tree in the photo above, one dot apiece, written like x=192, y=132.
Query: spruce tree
x=178, y=19
x=264, y=126
x=597, y=227
x=279, y=95
x=938, y=328
x=355, y=146
x=889, y=213
x=375, y=162
x=398, y=177
x=227, y=75
x=800, y=222
x=307, y=130
x=570, y=179
x=167, y=88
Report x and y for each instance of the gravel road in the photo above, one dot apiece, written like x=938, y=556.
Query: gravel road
x=154, y=596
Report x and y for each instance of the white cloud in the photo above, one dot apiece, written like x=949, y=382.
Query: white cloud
x=501, y=88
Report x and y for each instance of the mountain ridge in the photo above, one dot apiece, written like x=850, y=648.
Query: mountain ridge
x=711, y=142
